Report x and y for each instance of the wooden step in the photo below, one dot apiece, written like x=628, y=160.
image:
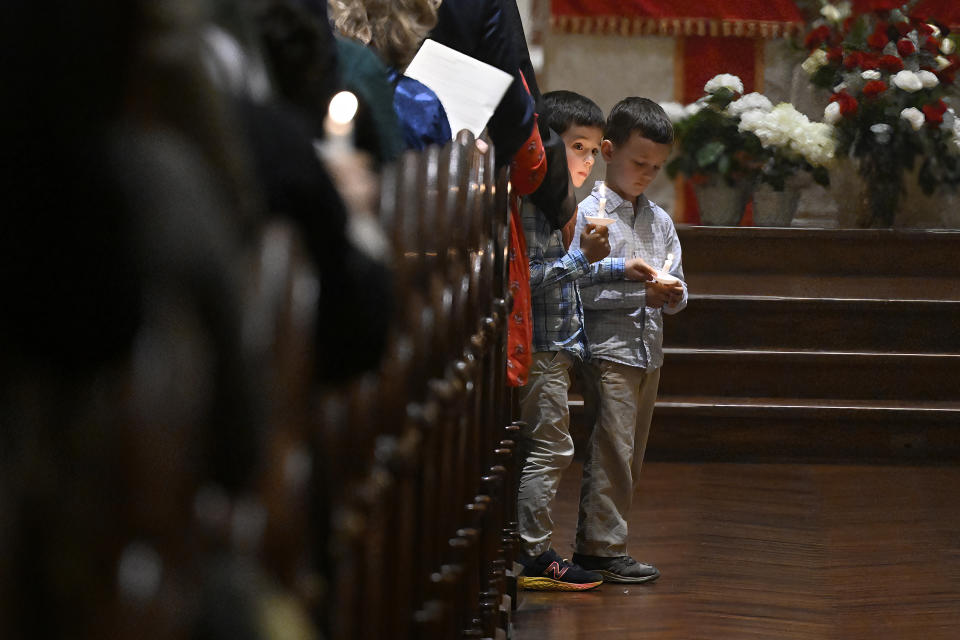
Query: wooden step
x=819, y=286
x=776, y=429
x=833, y=324
x=811, y=374
x=859, y=252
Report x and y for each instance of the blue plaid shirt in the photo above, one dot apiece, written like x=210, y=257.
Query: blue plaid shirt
x=555, y=296
x=620, y=325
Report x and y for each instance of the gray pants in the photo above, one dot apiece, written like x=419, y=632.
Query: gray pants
x=545, y=443
x=623, y=398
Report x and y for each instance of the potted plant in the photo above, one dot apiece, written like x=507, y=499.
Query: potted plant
x=721, y=161
x=793, y=146
x=892, y=81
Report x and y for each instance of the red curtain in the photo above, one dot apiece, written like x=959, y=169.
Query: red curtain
x=752, y=18
x=768, y=10
x=747, y=18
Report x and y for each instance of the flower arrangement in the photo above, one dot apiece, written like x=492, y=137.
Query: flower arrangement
x=708, y=137
x=791, y=143
x=892, y=82
x=744, y=137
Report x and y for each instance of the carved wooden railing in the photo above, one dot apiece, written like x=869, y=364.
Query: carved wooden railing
x=419, y=484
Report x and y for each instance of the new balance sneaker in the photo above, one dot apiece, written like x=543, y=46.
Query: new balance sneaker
x=618, y=569
x=550, y=572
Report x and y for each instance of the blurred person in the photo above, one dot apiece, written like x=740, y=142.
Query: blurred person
x=310, y=64
x=356, y=290
x=395, y=30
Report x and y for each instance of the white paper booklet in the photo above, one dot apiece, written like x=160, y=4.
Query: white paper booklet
x=470, y=90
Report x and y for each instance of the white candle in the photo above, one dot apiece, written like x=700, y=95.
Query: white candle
x=603, y=200
x=338, y=125
x=668, y=263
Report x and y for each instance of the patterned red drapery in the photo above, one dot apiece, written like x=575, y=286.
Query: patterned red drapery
x=743, y=18
x=747, y=18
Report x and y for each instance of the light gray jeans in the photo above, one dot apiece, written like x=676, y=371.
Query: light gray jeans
x=545, y=444
x=622, y=398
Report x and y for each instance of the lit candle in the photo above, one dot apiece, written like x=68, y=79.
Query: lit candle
x=668, y=263
x=338, y=126
x=603, y=200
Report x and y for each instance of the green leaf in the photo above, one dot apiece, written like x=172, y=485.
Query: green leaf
x=710, y=153
x=723, y=165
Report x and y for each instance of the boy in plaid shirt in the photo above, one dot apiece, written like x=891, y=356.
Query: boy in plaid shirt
x=558, y=341
x=625, y=322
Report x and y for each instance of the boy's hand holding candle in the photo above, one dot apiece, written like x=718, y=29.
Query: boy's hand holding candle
x=637, y=270
x=594, y=242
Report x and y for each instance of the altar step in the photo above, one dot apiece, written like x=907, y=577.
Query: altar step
x=918, y=253
x=811, y=344
x=811, y=323
x=809, y=375
x=757, y=429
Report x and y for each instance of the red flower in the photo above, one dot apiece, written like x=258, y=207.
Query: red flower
x=848, y=104
x=869, y=61
x=890, y=64
x=924, y=29
x=873, y=89
x=852, y=60
x=835, y=55
x=817, y=37
x=934, y=111
x=878, y=39
x=902, y=27
x=905, y=47
x=931, y=45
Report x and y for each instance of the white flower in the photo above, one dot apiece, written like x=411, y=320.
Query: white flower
x=750, y=102
x=816, y=60
x=870, y=74
x=836, y=12
x=942, y=63
x=908, y=81
x=840, y=87
x=914, y=116
x=724, y=81
x=830, y=12
x=674, y=110
x=790, y=131
x=928, y=78
x=936, y=30
x=947, y=46
x=832, y=115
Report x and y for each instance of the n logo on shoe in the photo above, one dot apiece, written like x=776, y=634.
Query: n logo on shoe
x=556, y=570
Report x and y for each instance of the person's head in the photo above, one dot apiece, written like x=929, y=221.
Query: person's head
x=579, y=121
x=637, y=140
x=394, y=28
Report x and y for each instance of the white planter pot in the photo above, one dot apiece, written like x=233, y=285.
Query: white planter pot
x=773, y=208
x=720, y=204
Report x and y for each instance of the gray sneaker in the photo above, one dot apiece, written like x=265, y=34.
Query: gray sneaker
x=618, y=569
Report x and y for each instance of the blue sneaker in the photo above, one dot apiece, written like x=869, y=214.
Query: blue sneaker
x=550, y=572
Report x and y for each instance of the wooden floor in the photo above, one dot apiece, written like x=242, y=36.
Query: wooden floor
x=776, y=551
